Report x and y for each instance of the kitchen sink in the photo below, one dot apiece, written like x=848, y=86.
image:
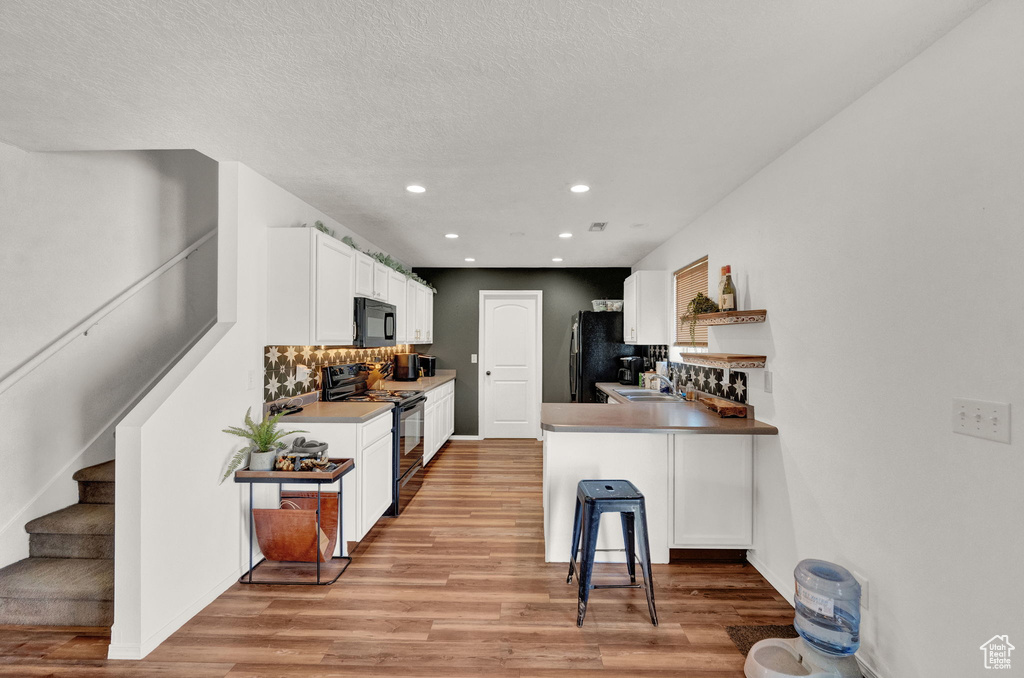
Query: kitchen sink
x=654, y=398
x=635, y=391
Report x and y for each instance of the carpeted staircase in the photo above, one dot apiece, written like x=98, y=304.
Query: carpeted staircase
x=68, y=578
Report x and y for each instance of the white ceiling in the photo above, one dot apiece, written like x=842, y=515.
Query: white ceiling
x=496, y=107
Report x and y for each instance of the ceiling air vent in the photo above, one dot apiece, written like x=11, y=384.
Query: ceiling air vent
x=598, y=225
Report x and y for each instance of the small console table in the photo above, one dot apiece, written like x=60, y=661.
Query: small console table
x=298, y=572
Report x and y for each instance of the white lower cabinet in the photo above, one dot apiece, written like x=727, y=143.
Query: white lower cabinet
x=439, y=416
x=713, y=491
x=368, y=486
x=375, y=496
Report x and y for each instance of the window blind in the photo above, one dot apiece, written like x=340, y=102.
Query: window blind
x=690, y=280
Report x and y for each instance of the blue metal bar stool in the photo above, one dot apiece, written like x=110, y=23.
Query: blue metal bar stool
x=594, y=497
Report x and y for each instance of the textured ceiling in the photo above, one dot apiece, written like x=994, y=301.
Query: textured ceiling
x=496, y=107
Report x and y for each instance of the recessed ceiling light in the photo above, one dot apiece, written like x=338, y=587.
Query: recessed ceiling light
x=557, y=259
x=415, y=188
x=565, y=235
x=580, y=188
x=451, y=236
x=470, y=259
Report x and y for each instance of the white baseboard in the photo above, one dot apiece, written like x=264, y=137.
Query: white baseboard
x=136, y=651
x=465, y=438
x=781, y=584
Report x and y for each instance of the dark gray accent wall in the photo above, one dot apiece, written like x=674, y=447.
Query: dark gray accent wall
x=457, y=322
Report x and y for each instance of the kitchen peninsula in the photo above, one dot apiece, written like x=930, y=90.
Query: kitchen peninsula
x=694, y=468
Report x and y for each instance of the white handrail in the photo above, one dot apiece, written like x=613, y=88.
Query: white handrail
x=82, y=328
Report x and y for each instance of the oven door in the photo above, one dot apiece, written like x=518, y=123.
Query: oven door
x=410, y=438
x=408, y=454
x=375, y=323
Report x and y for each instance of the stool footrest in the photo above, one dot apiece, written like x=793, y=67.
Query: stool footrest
x=617, y=586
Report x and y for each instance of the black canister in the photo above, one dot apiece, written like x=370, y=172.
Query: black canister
x=428, y=365
x=407, y=367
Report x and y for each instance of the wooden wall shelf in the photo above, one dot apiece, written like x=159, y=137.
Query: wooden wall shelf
x=732, y=317
x=725, y=361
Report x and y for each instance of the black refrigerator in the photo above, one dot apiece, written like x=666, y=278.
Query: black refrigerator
x=595, y=346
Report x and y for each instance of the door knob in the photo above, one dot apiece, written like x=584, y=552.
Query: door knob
x=488, y=373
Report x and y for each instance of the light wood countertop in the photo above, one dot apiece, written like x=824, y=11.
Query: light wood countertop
x=421, y=384
x=644, y=417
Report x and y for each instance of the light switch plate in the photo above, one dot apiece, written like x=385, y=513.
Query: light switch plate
x=982, y=419
x=472, y=358
x=767, y=381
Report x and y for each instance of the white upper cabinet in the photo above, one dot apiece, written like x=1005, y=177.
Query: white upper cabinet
x=381, y=278
x=319, y=309
x=364, y=275
x=645, y=308
x=396, y=297
x=412, y=299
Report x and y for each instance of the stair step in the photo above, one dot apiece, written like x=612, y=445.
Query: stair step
x=58, y=592
x=71, y=545
x=103, y=473
x=90, y=492
x=75, y=519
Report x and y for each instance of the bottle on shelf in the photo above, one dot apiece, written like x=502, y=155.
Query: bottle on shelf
x=727, y=297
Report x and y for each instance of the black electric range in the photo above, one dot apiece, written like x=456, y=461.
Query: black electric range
x=348, y=383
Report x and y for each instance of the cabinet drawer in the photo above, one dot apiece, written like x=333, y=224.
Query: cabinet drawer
x=375, y=429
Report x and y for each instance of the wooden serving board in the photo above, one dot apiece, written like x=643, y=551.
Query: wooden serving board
x=724, y=408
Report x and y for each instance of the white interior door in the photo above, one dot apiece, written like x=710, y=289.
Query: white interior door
x=510, y=364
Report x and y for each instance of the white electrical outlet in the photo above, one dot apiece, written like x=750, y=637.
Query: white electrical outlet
x=301, y=373
x=982, y=419
x=767, y=381
x=472, y=358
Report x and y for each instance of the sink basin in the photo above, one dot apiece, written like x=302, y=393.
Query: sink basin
x=654, y=398
x=635, y=391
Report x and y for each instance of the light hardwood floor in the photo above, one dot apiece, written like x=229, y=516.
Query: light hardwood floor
x=456, y=586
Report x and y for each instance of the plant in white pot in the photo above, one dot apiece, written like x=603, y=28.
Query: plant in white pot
x=264, y=443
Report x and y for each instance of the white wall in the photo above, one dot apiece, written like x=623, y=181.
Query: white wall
x=887, y=249
x=181, y=536
x=76, y=230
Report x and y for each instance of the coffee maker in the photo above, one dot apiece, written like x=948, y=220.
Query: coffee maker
x=632, y=368
x=407, y=367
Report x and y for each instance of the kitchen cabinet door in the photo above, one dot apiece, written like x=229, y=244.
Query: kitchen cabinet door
x=396, y=297
x=450, y=414
x=412, y=299
x=422, y=299
x=380, y=281
x=364, y=275
x=430, y=414
x=645, y=308
x=376, y=482
x=428, y=316
x=713, y=491
x=629, y=310
x=334, y=298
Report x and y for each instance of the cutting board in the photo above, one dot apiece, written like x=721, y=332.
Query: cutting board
x=724, y=408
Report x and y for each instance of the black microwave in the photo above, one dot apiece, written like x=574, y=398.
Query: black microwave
x=374, y=323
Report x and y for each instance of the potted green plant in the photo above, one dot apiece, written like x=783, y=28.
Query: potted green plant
x=699, y=304
x=264, y=443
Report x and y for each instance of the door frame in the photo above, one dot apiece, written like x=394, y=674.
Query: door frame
x=538, y=371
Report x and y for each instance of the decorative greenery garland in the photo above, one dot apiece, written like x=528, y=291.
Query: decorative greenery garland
x=383, y=258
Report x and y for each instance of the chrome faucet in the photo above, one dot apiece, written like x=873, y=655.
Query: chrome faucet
x=671, y=387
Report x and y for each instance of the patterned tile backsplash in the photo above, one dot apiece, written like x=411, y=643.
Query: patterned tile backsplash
x=279, y=363
x=712, y=380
